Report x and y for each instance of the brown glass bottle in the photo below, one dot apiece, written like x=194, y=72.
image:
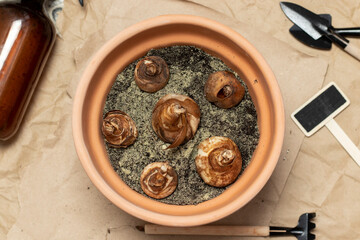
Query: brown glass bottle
x=26, y=39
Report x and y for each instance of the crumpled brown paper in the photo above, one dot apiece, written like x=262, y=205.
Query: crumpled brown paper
x=45, y=194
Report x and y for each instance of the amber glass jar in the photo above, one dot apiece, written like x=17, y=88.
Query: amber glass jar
x=26, y=39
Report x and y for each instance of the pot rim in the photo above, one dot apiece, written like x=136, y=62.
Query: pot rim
x=129, y=207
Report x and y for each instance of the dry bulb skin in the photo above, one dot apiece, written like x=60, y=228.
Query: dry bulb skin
x=158, y=180
x=151, y=74
x=175, y=119
x=223, y=89
x=119, y=129
x=218, y=161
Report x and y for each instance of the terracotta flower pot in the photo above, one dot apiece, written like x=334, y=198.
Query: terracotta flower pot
x=133, y=43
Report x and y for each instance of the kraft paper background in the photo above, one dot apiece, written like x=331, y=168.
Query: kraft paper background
x=45, y=193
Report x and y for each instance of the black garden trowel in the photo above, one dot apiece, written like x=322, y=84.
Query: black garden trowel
x=323, y=43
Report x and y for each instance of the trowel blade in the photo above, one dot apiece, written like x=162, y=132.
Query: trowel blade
x=321, y=43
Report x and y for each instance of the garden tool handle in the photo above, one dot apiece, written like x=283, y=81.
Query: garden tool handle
x=345, y=44
x=348, y=32
x=353, y=50
x=213, y=230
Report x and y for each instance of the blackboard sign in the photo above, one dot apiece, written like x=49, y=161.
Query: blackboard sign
x=320, y=109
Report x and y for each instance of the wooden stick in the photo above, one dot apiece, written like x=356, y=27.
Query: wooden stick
x=344, y=140
x=353, y=50
x=219, y=230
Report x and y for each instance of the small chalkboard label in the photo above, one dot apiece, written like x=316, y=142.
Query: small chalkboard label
x=320, y=110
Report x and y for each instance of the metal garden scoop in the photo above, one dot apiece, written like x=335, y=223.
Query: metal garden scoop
x=317, y=27
x=322, y=43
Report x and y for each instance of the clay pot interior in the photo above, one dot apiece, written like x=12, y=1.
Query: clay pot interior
x=133, y=43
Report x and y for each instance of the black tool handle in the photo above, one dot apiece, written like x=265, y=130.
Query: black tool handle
x=280, y=231
x=348, y=32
